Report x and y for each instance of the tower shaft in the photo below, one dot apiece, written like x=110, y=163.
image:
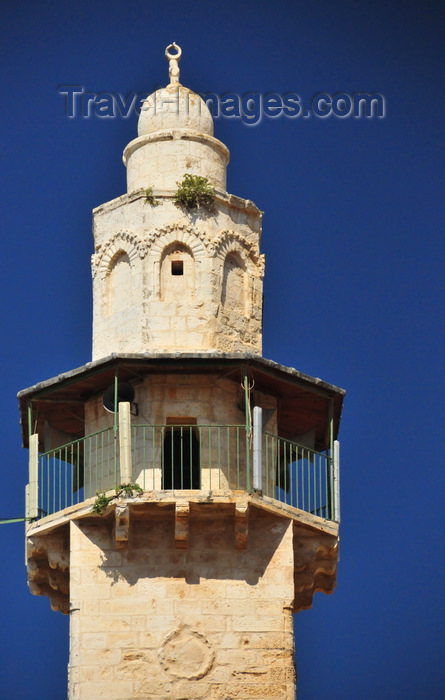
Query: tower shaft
x=183, y=490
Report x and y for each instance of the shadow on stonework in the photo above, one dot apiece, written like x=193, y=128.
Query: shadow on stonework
x=211, y=553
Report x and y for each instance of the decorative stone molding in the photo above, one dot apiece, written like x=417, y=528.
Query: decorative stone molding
x=48, y=568
x=233, y=242
x=315, y=566
x=179, y=232
x=315, y=542
x=122, y=241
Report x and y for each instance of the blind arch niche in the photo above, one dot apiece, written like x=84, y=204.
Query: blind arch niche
x=234, y=284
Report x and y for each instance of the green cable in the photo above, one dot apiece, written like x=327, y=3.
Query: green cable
x=13, y=520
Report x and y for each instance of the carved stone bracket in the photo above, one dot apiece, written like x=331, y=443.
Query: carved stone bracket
x=182, y=512
x=315, y=542
x=122, y=516
x=241, y=525
x=48, y=569
x=315, y=566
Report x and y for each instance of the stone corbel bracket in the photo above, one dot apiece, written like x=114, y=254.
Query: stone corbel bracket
x=315, y=565
x=122, y=525
x=315, y=540
x=48, y=568
x=182, y=513
x=241, y=525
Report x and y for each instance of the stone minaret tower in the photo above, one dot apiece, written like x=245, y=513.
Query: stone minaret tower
x=183, y=490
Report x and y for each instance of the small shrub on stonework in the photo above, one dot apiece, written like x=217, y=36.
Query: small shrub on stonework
x=150, y=198
x=123, y=491
x=195, y=191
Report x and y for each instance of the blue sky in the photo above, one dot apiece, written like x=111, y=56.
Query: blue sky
x=354, y=288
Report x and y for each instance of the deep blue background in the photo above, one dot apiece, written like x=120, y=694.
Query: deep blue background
x=354, y=288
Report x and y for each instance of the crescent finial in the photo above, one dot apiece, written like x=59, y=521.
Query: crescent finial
x=173, y=61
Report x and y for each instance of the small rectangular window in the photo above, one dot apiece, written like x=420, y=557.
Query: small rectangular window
x=177, y=267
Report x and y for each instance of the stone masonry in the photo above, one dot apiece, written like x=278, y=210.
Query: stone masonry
x=210, y=621
x=167, y=279
x=174, y=591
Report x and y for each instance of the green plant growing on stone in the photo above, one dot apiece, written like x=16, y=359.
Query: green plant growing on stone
x=129, y=490
x=195, y=191
x=150, y=198
x=102, y=502
x=124, y=490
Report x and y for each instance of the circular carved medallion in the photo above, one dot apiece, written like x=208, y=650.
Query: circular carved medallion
x=186, y=654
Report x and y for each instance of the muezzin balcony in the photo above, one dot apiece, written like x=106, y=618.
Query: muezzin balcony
x=80, y=445
x=182, y=432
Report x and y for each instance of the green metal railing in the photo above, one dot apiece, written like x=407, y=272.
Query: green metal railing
x=73, y=472
x=190, y=456
x=178, y=457
x=298, y=476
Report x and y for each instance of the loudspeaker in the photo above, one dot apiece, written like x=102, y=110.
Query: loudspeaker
x=125, y=392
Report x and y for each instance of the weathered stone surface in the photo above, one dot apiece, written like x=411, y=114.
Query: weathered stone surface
x=185, y=592
x=186, y=654
x=48, y=567
x=187, y=623
x=211, y=300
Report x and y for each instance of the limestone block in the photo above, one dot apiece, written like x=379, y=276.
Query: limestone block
x=148, y=159
x=129, y=267
x=181, y=623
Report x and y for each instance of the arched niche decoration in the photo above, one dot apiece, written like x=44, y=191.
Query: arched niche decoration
x=121, y=242
x=118, y=290
x=192, y=246
x=233, y=242
x=239, y=263
x=234, y=284
x=177, y=273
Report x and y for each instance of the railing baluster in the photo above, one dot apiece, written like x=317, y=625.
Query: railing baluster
x=294, y=474
x=200, y=453
x=153, y=452
x=219, y=455
x=237, y=459
x=209, y=441
x=228, y=452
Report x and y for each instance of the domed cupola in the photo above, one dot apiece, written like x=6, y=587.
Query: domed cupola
x=175, y=134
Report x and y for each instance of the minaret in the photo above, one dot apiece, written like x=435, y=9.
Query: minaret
x=183, y=490
x=167, y=279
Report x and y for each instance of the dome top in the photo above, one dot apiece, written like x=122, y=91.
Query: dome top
x=175, y=106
